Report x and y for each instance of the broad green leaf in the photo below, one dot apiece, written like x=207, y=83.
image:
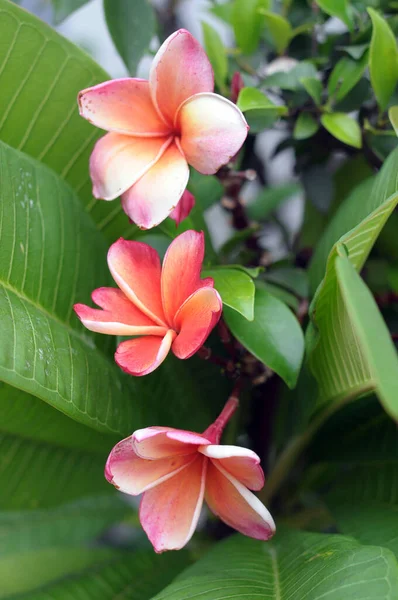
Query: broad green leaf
x=343, y=128
x=246, y=23
x=306, y=126
x=345, y=76
x=295, y=564
x=293, y=79
x=236, y=289
x=274, y=336
x=383, y=59
x=363, y=201
x=132, y=26
x=259, y=110
x=279, y=28
x=216, y=52
x=314, y=88
x=269, y=199
x=291, y=278
x=133, y=576
x=337, y=8
x=393, y=116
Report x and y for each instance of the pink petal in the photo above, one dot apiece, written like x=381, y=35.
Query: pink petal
x=213, y=130
x=143, y=355
x=182, y=265
x=179, y=70
x=134, y=475
x=136, y=269
x=123, y=106
x=195, y=320
x=118, y=317
x=236, y=505
x=158, y=192
x=170, y=512
x=118, y=161
x=161, y=442
x=183, y=208
x=241, y=463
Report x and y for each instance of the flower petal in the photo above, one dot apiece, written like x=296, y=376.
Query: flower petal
x=118, y=317
x=179, y=70
x=161, y=442
x=136, y=269
x=181, y=271
x=134, y=475
x=195, y=320
x=243, y=464
x=158, y=192
x=236, y=505
x=123, y=106
x=213, y=130
x=143, y=355
x=118, y=161
x=170, y=512
x=183, y=208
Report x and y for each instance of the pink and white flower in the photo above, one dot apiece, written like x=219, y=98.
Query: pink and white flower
x=159, y=127
x=167, y=306
x=177, y=470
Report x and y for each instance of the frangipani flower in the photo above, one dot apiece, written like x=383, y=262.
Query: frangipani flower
x=183, y=208
x=178, y=469
x=159, y=127
x=170, y=306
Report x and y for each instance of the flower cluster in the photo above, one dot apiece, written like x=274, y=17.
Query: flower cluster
x=156, y=129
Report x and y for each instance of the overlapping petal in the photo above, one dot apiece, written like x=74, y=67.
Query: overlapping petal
x=143, y=355
x=119, y=316
x=183, y=208
x=179, y=70
x=123, y=106
x=170, y=511
x=118, y=161
x=213, y=130
x=134, y=475
x=158, y=192
x=182, y=265
x=236, y=505
x=136, y=269
x=162, y=442
x=195, y=320
x=243, y=464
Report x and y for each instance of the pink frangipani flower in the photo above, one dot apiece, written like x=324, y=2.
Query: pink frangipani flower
x=178, y=469
x=168, y=306
x=159, y=127
x=183, y=208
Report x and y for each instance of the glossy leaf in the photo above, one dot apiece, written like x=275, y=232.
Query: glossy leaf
x=216, y=52
x=343, y=128
x=345, y=76
x=383, y=59
x=337, y=8
x=306, y=126
x=313, y=87
x=279, y=28
x=274, y=336
x=259, y=110
x=293, y=564
x=236, y=289
x=246, y=23
x=132, y=26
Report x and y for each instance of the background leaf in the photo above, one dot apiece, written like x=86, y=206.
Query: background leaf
x=246, y=23
x=383, y=59
x=305, y=127
x=216, y=52
x=279, y=28
x=337, y=8
x=343, y=127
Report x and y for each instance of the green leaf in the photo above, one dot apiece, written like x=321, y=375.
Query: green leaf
x=216, y=52
x=61, y=8
x=306, y=126
x=291, y=278
x=269, y=199
x=295, y=564
x=259, y=110
x=383, y=59
x=345, y=76
x=393, y=116
x=246, y=23
x=314, y=88
x=337, y=8
x=274, y=336
x=343, y=128
x=279, y=28
x=236, y=289
x=357, y=51
x=293, y=79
